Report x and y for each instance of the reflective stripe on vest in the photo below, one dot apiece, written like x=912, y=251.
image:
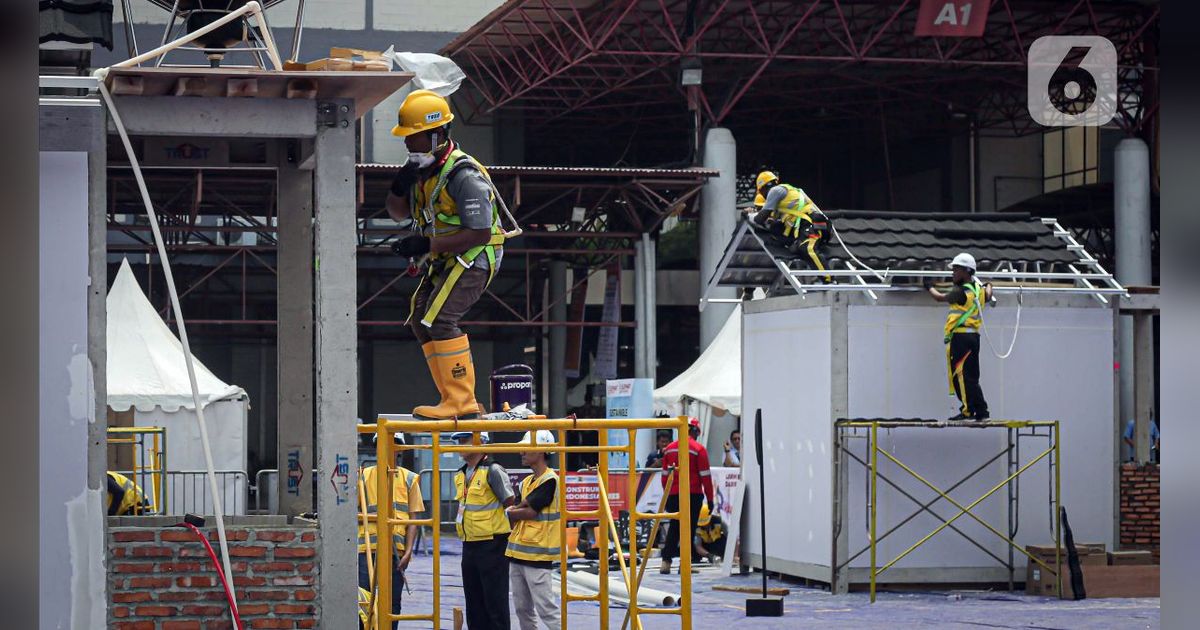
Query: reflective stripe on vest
x=538, y=539
x=400, y=485
x=480, y=513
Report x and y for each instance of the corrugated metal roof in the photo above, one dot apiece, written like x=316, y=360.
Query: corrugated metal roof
x=566, y=171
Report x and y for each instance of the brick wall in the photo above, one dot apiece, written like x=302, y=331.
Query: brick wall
x=1139, y=507
x=160, y=578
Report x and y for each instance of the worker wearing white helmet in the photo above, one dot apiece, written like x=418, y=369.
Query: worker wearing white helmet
x=535, y=542
x=406, y=503
x=483, y=491
x=961, y=336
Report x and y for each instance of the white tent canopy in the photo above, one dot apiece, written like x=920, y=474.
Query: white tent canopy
x=145, y=359
x=715, y=379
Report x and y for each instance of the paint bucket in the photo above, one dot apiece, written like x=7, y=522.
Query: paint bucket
x=512, y=385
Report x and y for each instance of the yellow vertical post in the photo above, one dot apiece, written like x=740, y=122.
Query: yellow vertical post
x=1058, y=509
x=631, y=504
x=874, y=472
x=645, y=559
x=436, y=491
x=685, y=526
x=601, y=531
x=383, y=527
x=563, y=553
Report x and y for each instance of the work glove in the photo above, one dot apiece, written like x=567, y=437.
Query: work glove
x=412, y=247
x=405, y=179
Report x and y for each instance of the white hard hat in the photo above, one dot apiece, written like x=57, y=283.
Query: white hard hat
x=543, y=437
x=483, y=436
x=963, y=260
x=396, y=437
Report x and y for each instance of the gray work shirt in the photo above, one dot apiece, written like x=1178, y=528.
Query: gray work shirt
x=473, y=196
x=497, y=479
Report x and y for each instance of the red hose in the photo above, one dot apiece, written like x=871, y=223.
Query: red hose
x=212, y=555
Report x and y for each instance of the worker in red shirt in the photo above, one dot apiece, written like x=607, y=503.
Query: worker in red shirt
x=701, y=477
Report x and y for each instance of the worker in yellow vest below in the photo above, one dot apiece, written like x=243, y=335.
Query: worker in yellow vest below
x=961, y=336
x=124, y=497
x=406, y=503
x=483, y=490
x=535, y=541
x=454, y=208
x=787, y=212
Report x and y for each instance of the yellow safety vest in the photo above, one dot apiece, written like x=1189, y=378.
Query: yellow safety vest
x=130, y=500
x=436, y=215
x=539, y=538
x=794, y=210
x=480, y=514
x=403, y=480
x=965, y=317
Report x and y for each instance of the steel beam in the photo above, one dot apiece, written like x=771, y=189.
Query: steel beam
x=221, y=117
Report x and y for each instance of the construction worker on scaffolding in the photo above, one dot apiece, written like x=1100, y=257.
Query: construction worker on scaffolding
x=406, y=503
x=701, y=478
x=124, y=497
x=787, y=211
x=483, y=491
x=535, y=541
x=961, y=336
x=453, y=204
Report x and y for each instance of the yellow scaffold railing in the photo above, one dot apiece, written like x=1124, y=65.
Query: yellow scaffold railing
x=386, y=427
x=155, y=451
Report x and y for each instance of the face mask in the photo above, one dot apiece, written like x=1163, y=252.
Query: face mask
x=422, y=160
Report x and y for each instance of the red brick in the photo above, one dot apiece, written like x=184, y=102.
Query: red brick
x=293, y=580
x=155, y=611
x=293, y=609
x=128, y=567
x=118, y=552
x=134, y=625
x=301, y=552
x=204, y=611
x=275, y=536
x=150, y=582
x=273, y=567
x=178, y=535
x=178, y=596
x=275, y=595
x=306, y=623
x=181, y=625
x=304, y=596
x=131, y=598
x=181, y=567
x=248, y=552
x=254, y=609
x=196, y=581
x=230, y=534
x=242, y=580
x=218, y=624
x=143, y=536
x=120, y=612
x=308, y=536
x=153, y=552
x=272, y=623
x=305, y=567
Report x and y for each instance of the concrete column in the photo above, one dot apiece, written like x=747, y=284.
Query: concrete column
x=336, y=369
x=718, y=218
x=558, y=339
x=1131, y=229
x=1143, y=387
x=646, y=309
x=294, y=341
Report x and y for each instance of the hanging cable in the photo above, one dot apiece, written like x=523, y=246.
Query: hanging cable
x=1016, y=329
x=833, y=228
x=218, y=513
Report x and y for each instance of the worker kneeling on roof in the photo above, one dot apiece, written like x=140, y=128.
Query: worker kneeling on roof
x=787, y=212
x=483, y=490
x=407, y=503
x=124, y=497
x=453, y=204
x=961, y=336
x=535, y=541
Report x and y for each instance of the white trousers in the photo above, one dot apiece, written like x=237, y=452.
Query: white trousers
x=533, y=596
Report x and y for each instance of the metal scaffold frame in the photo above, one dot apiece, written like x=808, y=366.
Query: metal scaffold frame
x=845, y=430
x=388, y=425
x=156, y=450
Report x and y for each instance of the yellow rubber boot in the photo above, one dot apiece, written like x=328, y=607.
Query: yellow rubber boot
x=456, y=374
x=429, y=351
x=573, y=543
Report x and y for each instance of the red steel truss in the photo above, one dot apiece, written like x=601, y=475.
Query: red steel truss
x=595, y=60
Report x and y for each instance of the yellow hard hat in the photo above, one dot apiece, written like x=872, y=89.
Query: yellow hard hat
x=705, y=516
x=422, y=110
x=764, y=178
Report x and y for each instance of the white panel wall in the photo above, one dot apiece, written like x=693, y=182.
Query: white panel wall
x=1060, y=369
x=419, y=15
x=786, y=373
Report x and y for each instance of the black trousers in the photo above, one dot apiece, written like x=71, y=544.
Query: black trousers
x=671, y=547
x=964, y=373
x=364, y=581
x=485, y=583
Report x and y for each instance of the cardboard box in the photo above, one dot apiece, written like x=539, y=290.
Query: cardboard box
x=344, y=60
x=1130, y=558
x=1100, y=581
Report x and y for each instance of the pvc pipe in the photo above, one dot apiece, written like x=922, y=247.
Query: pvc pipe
x=250, y=8
x=616, y=588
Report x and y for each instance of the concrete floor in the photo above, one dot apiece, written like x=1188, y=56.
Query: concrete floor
x=807, y=607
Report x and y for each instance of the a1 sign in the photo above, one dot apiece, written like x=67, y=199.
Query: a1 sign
x=952, y=18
